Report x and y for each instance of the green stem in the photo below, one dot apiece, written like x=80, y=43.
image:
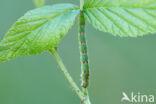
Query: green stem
x=67, y=75
x=69, y=78
x=39, y=3
x=81, y=4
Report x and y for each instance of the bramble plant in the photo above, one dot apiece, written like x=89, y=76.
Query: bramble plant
x=41, y=29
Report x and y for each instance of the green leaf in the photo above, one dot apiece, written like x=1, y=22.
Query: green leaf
x=122, y=17
x=38, y=30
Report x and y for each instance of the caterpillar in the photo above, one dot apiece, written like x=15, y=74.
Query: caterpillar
x=83, y=52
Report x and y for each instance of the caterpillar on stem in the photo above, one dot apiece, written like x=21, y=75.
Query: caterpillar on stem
x=83, y=52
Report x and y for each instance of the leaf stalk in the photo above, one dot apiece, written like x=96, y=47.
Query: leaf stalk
x=81, y=4
x=66, y=73
x=84, y=99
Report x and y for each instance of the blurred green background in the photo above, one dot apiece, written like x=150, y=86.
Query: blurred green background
x=117, y=64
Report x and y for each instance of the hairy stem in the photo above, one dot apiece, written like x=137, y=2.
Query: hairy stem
x=39, y=3
x=67, y=75
x=84, y=99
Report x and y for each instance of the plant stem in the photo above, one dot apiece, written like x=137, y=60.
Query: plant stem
x=69, y=78
x=67, y=75
x=39, y=3
x=81, y=4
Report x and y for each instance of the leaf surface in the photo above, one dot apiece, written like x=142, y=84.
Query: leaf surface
x=38, y=30
x=122, y=17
